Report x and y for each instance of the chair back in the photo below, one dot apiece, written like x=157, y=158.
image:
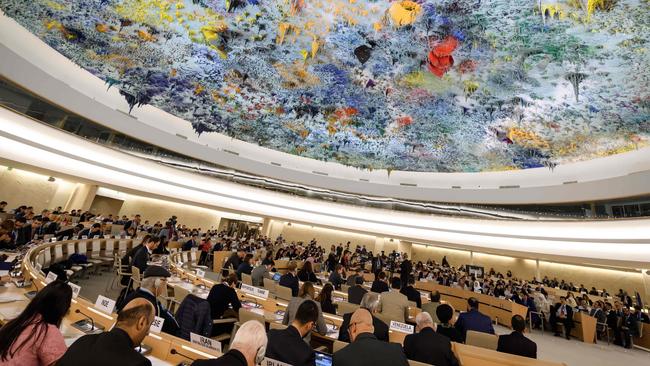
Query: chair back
x=109, y=247
x=47, y=257
x=338, y=345
x=82, y=247
x=246, y=315
x=270, y=285
x=180, y=293
x=275, y=325
x=135, y=276
x=480, y=339
x=70, y=249
x=122, y=245
x=346, y=308
x=184, y=257
x=283, y=292
x=246, y=279
x=58, y=253
x=193, y=255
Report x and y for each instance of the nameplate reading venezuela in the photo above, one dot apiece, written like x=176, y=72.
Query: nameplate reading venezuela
x=271, y=362
x=156, y=326
x=256, y=291
x=105, y=304
x=401, y=327
x=206, y=342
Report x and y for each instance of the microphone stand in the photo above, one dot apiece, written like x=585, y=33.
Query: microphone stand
x=92, y=321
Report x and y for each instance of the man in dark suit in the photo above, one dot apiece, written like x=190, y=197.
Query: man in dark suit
x=411, y=293
x=22, y=231
x=234, y=261
x=473, y=320
x=287, y=345
x=154, y=284
x=188, y=245
x=428, y=346
x=366, y=349
x=445, y=313
x=290, y=279
x=515, y=343
x=377, y=264
x=379, y=285
x=222, y=297
x=249, y=343
x=141, y=256
x=562, y=313
x=92, y=231
x=356, y=292
x=336, y=277
x=369, y=302
x=116, y=347
x=406, y=267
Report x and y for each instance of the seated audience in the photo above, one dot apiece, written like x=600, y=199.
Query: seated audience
x=629, y=327
x=336, y=277
x=288, y=345
x=428, y=346
x=117, y=346
x=245, y=266
x=370, y=302
x=289, y=279
x=233, y=261
x=248, y=348
x=306, y=292
x=379, y=285
x=562, y=313
x=516, y=343
x=261, y=272
x=366, y=349
x=445, y=313
x=411, y=293
x=33, y=338
x=431, y=306
x=325, y=299
x=393, y=305
x=154, y=284
x=473, y=320
x=223, y=299
x=356, y=292
x=306, y=273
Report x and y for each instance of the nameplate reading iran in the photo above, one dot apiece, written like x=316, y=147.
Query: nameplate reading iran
x=105, y=304
x=51, y=277
x=157, y=324
x=256, y=291
x=75, y=289
x=200, y=273
x=206, y=342
x=271, y=362
x=401, y=327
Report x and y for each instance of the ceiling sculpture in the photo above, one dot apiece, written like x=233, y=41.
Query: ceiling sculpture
x=424, y=85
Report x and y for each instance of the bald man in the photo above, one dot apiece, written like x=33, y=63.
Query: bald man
x=366, y=349
x=116, y=347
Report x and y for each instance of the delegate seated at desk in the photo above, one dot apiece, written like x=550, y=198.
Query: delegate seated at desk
x=411, y=293
x=427, y=346
x=379, y=285
x=356, y=292
x=473, y=320
x=288, y=345
x=246, y=349
x=289, y=279
x=366, y=349
x=516, y=343
x=369, y=302
x=445, y=312
x=261, y=272
x=222, y=297
x=116, y=347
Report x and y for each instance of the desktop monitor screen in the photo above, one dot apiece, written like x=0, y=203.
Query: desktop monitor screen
x=323, y=359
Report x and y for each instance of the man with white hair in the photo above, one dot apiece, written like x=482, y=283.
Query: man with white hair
x=246, y=349
x=427, y=346
x=370, y=302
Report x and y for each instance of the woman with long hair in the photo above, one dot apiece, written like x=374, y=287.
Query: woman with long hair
x=325, y=299
x=34, y=338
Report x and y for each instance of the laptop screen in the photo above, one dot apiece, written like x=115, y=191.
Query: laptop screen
x=276, y=277
x=323, y=359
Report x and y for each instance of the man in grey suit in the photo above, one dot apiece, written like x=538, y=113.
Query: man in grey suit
x=366, y=349
x=431, y=306
x=394, y=305
x=261, y=272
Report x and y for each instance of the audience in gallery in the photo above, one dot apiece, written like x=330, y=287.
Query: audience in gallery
x=516, y=343
x=117, y=346
x=291, y=345
x=365, y=349
x=33, y=338
x=248, y=348
x=306, y=293
x=427, y=346
x=343, y=260
x=369, y=302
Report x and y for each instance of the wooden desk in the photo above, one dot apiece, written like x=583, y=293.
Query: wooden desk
x=643, y=342
x=584, y=327
x=477, y=356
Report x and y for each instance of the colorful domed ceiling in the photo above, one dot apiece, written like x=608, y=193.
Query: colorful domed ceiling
x=426, y=85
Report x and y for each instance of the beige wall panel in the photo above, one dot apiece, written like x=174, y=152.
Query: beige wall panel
x=19, y=187
x=106, y=205
x=454, y=257
x=158, y=210
x=324, y=237
x=521, y=268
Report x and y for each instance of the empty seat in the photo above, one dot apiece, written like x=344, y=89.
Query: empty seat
x=246, y=279
x=284, y=293
x=480, y=339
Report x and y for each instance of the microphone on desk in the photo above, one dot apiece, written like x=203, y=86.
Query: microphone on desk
x=173, y=351
x=92, y=322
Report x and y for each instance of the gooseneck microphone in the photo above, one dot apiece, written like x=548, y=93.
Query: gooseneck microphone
x=173, y=351
x=92, y=322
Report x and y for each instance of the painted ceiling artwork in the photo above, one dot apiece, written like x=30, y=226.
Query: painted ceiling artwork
x=416, y=85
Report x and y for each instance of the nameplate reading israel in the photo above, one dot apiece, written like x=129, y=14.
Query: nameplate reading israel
x=105, y=304
x=157, y=324
x=51, y=277
x=200, y=273
x=206, y=342
x=401, y=327
x=271, y=362
x=75, y=289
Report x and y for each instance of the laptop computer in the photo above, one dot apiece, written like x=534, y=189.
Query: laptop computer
x=323, y=359
x=276, y=277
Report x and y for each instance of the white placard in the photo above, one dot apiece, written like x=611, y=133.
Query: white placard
x=105, y=304
x=194, y=249
x=401, y=327
x=84, y=237
x=206, y=342
x=53, y=239
x=128, y=237
x=271, y=362
x=51, y=277
x=200, y=273
x=75, y=289
x=251, y=290
x=157, y=324
x=65, y=238
x=96, y=237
